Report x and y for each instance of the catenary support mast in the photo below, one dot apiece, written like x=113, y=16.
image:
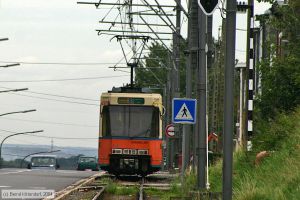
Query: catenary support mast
x=228, y=100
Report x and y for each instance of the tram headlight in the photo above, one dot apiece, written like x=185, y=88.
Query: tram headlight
x=143, y=152
x=116, y=151
x=126, y=151
x=133, y=151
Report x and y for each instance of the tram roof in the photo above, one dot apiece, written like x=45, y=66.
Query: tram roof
x=130, y=90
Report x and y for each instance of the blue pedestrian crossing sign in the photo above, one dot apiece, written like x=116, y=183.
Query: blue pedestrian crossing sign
x=184, y=111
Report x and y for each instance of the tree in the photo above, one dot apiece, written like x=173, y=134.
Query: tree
x=281, y=70
x=157, y=65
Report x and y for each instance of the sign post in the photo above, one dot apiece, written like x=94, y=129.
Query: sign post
x=184, y=112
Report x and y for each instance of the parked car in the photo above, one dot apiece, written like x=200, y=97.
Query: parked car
x=43, y=162
x=87, y=162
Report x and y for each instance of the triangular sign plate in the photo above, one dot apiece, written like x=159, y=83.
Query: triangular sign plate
x=184, y=113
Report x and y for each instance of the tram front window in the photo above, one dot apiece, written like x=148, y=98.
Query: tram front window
x=130, y=121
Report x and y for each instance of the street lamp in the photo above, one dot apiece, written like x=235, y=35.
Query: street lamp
x=10, y=65
x=22, y=133
x=24, y=111
x=14, y=90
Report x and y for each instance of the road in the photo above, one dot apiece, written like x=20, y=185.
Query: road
x=40, y=179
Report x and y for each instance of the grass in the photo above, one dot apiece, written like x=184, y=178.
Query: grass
x=114, y=188
x=162, y=194
x=278, y=176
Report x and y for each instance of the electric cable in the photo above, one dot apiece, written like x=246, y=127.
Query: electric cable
x=57, y=100
x=55, y=95
x=48, y=122
x=59, y=80
x=63, y=138
x=52, y=137
x=58, y=63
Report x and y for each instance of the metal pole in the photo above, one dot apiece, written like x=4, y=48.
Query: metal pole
x=169, y=100
x=10, y=65
x=176, y=76
x=25, y=111
x=193, y=57
x=14, y=90
x=228, y=100
x=241, y=125
x=248, y=108
x=186, y=135
x=201, y=98
x=177, y=47
x=209, y=41
x=11, y=136
x=257, y=57
x=131, y=75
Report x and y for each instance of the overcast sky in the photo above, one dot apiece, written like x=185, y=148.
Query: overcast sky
x=61, y=31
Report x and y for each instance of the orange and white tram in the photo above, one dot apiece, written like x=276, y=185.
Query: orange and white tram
x=130, y=136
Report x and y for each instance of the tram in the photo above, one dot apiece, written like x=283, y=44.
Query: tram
x=130, y=131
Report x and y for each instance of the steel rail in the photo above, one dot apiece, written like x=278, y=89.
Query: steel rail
x=141, y=191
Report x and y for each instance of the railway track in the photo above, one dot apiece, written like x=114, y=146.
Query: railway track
x=100, y=187
x=141, y=190
x=81, y=188
x=85, y=192
x=144, y=183
x=100, y=194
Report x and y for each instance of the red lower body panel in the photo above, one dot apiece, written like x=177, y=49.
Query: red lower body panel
x=152, y=147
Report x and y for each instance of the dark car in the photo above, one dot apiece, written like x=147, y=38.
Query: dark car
x=86, y=162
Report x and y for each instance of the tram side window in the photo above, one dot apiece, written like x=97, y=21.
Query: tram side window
x=105, y=122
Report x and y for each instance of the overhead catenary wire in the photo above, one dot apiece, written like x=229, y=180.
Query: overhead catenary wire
x=59, y=80
x=145, y=4
x=59, y=63
x=57, y=100
x=53, y=137
x=48, y=122
x=56, y=95
x=64, y=138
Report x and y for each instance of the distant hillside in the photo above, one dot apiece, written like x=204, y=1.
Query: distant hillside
x=14, y=151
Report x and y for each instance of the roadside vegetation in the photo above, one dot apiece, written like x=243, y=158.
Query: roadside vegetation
x=277, y=175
